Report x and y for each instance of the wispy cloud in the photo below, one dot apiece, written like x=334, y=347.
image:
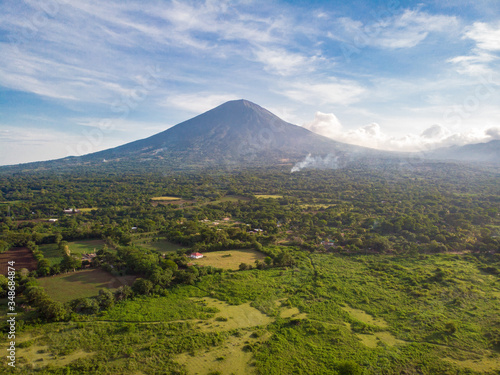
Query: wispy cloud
x=283, y=62
x=403, y=29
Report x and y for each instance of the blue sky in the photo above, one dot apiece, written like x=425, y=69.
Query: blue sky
x=82, y=76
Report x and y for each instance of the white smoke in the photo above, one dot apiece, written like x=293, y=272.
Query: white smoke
x=317, y=162
x=371, y=135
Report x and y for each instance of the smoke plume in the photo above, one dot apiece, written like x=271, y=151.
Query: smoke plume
x=317, y=162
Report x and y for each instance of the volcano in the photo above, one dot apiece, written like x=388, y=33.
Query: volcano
x=235, y=133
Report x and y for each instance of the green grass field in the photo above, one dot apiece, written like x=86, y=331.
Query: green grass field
x=267, y=196
x=229, y=259
x=86, y=246
x=87, y=283
x=87, y=209
x=52, y=253
x=229, y=198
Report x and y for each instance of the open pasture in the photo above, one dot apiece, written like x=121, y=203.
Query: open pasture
x=87, y=283
x=165, y=198
x=54, y=255
x=230, y=259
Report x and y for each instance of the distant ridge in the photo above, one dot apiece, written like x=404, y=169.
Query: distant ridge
x=480, y=152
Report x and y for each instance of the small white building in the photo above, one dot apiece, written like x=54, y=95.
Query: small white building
x=196, y=255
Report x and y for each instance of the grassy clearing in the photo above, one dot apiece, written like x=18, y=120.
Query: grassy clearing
x=292, y=312
x=37, y=356
x=165, y=198
x=10, y=202
x=87, y=209
x=364, y=317
x=231, y=317
x=229, y=198
x=87, y=283
x=316, y=206
x=267, y=196
x=229, y=358
x=491, y=365
x=54, y=255
x=175, y=307
x=85, y=247
x=230, y=259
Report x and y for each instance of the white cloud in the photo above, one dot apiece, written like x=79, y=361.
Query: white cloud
x=478, y=62
x=372, y=136
x=486, y=36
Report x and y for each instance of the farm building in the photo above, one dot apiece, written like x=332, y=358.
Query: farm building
x=196, y=255
x=88, y=257
x=328, y=243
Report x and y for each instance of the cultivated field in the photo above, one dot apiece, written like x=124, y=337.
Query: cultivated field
x=230, y=259
x=267, y=196
x=21, y=255
x=87, y=283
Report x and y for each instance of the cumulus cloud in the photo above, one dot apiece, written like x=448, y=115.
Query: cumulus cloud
x=372, y=135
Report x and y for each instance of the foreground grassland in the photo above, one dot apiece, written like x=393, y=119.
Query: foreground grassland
x=328, y=315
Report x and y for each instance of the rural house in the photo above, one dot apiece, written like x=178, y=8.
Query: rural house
x=196, y=255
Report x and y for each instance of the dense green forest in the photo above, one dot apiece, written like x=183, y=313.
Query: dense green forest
x=357, y=271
